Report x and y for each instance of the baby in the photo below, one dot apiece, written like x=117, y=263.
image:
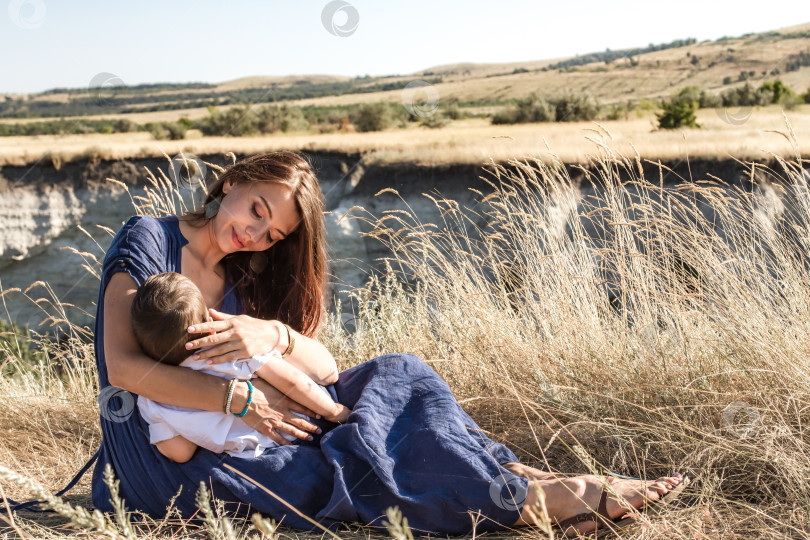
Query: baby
x=162, y=310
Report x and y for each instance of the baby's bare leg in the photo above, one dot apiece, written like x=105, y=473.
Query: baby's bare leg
x=178, y=449
x=531, y=473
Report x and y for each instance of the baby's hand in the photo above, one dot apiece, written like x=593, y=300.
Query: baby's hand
x=342, y=413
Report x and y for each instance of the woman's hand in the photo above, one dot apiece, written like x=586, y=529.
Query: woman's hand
x=270, y=413
x=242, y=336
x=237, y=336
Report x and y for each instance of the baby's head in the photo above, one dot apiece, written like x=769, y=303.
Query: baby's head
x=163, y=309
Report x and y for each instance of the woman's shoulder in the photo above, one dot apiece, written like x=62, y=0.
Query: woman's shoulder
x=148, y=225
x=145, y=243
x=145, y=231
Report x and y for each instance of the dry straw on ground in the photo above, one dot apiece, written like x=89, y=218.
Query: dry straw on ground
x=618, y=332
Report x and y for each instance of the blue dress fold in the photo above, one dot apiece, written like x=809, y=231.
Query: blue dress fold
x=407, y=443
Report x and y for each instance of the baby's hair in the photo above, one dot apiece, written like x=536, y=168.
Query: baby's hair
x=162, y=310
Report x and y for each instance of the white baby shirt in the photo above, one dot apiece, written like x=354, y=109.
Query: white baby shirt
x=213, y=430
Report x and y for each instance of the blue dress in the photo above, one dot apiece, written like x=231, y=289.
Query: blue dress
x=407, y=443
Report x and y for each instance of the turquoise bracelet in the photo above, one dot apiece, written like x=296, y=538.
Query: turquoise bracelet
x=249, y=399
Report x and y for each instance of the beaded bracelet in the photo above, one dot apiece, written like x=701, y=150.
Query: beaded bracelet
x=226, y=405
x=249, y=399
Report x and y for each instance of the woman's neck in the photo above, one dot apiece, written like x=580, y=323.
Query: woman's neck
x=201, y=243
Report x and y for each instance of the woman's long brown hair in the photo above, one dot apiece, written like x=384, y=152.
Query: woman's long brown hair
x=292, y=286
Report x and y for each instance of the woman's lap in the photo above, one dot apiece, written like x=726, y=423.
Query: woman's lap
x=407, y=443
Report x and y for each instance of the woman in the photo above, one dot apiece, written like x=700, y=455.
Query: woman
x=256, y=250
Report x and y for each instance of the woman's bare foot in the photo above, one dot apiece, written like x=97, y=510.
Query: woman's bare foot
x=568, y=497
x=519, y=469
x=632, y=493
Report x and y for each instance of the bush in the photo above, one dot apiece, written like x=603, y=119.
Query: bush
x=533, y=108
x=619, y=111
x=274, y=118
x=156, y=130
x=435, y=120
x=777, y=91
x=177, y=130
x=790, y=101
x=745, y=96
x=373, y=117
x=453, y=112
x=806, y=96
x=573, y=107
x=503, y=117
x=709, y=101
x=234, y=122
x=569, y=107
x=727, y=80
x=689, y=93
x=167, y=130
x=331, y=122
x=124, y=126
x=680, y=110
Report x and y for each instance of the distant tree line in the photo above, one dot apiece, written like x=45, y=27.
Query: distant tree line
x=65, y=127
x=608, y=56
x=247, y=120
x=777, y=36
x=123, y=100
x=147, y=88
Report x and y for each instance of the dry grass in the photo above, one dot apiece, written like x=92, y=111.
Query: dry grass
x=510, y=302
x=465, y=141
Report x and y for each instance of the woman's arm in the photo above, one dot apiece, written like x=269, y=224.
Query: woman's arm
x=130, y=369
x=309, y=355
x=242, y=336
x=299, y=387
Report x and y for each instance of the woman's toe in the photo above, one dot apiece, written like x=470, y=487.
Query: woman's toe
x=667, y=481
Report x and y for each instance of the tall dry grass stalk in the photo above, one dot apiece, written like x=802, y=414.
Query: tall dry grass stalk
x=633, y=327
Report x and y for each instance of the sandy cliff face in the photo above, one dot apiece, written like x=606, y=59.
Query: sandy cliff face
x=40, y=228
x=31, y=218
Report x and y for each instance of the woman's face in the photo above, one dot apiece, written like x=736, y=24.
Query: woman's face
x=254, y=215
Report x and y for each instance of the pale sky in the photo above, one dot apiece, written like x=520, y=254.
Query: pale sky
x=56, y=43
